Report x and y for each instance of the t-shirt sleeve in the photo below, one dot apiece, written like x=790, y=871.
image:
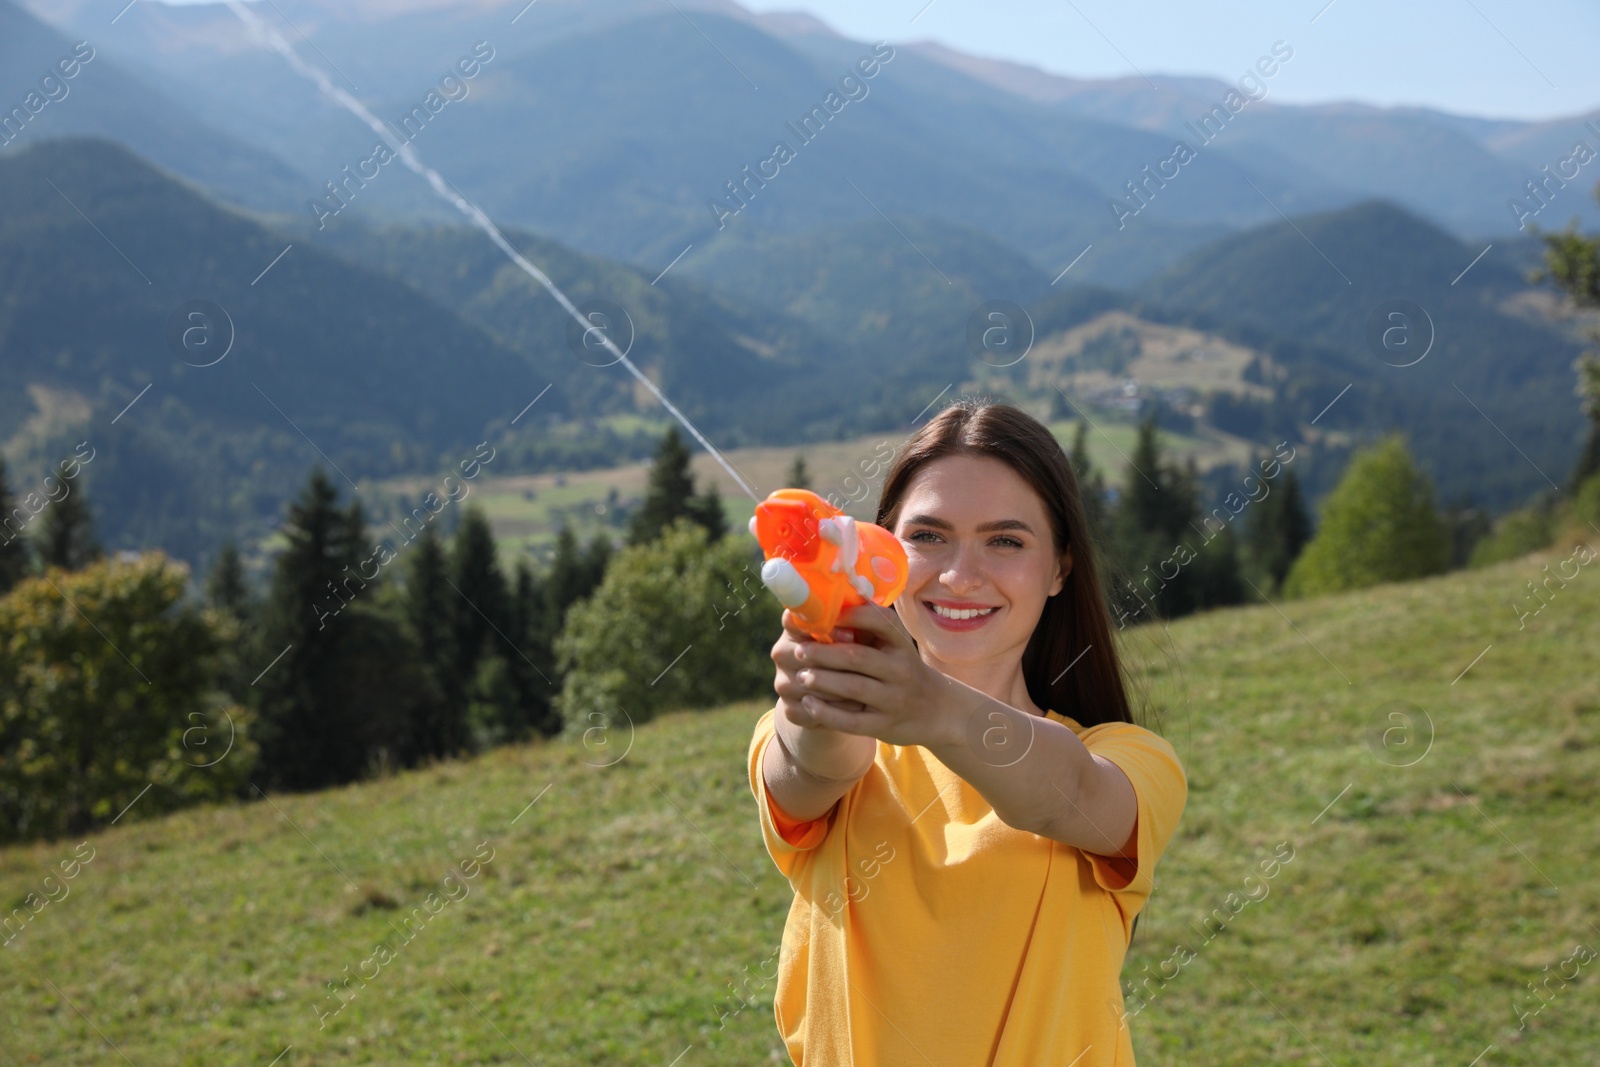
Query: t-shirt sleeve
x=1160, y=789
x=786, y=839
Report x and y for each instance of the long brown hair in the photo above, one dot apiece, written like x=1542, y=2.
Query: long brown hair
x=1071, y=664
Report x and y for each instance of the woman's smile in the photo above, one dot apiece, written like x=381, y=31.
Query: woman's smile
x=959, y=615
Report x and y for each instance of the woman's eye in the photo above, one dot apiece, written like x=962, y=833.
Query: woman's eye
x=1007, y=542
x=924, y=536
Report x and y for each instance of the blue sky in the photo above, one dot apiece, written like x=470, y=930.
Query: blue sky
x=1495, y=58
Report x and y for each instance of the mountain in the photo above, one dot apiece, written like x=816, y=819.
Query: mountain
x=884, y=286
x=1456, y=170
x=731, y=364
x=627, y=165
x=376, y=352
x=1489, y=408
x=623, y=157
x=104, y=99
x=329, y=363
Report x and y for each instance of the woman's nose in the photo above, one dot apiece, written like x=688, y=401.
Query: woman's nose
x=961, y=577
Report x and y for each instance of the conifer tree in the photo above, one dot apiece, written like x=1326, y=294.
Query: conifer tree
x=1091, y=483
x=1142, y=508
x=14, y=561
x=670, y=495
x=1171, y=563
x=669, y=492
x=1278, y=529
x=482, y=613
x=574, y=574
x=430, y=608
x=706, y=509
x=227, y=590
x=799, y=474
x=530, y=667
x=339, y=679
x=66, y=531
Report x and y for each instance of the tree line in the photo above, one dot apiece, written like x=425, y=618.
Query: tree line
x=123, y=682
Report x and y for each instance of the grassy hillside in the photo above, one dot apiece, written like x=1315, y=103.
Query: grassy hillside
x=618, y=909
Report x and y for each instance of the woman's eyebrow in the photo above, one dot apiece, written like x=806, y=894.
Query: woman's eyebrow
x=987, y=527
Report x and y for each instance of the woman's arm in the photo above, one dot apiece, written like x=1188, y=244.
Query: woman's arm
x=1032, y=770
x=808, y=768
x=1037, y=775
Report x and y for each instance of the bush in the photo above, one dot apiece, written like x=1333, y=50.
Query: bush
x=1586, y=502
x=1378, y=525
x=108, y=683
x=1517, y=534
x=680, y=596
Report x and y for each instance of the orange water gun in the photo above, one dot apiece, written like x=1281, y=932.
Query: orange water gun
x=821, y=561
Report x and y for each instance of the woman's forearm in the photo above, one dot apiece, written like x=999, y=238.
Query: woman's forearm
x=807, y=770
x=1036, y=774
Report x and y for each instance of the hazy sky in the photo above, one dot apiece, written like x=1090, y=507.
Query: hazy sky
x=1496, y=58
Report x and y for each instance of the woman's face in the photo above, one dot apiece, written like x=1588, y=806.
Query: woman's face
x=982, y=557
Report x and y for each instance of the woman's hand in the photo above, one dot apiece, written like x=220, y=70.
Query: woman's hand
x=877, y=684
x=791, y=691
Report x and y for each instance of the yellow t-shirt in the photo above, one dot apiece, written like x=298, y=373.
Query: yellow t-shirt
x=925, y=931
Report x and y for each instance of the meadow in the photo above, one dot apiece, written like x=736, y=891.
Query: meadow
x=1431, y=761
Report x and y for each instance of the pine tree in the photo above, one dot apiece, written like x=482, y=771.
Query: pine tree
x=1091, y=483
x=1156, y=524
x=66, y=531
x=1142, y=508
x=564, y=584
x=1278, y=529
x=429, y=606
x=14, y=560
x=530, y=665
x=1212, y=578
x=670, y=495
x=669, y=492
x=482, y=609
x=1468, y=525
x=706, y=510
x=227, y=590
x=799, y=474
x=338, y=679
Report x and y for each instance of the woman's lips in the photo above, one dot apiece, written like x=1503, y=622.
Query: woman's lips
x=975, y=615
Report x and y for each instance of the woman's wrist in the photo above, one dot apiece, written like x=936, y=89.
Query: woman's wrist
x=824, y=754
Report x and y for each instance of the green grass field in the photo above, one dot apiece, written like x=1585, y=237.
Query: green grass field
x=1442, y=863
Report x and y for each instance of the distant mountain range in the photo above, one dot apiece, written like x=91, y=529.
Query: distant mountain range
x=610, y=124
x=777, y=298
x=145, y=110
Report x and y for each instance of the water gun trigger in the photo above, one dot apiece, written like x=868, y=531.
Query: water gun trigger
x=820, y=561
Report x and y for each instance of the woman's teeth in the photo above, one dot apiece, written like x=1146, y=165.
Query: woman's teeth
x=961, y=613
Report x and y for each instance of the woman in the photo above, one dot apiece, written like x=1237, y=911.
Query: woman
x=968, y=815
